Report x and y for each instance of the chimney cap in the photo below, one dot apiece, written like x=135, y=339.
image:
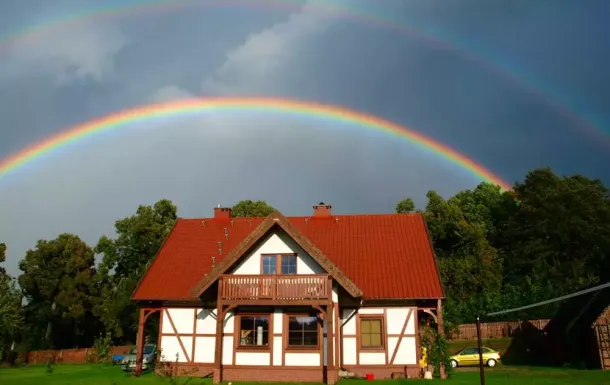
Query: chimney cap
x=322, y=210
x=222, y=212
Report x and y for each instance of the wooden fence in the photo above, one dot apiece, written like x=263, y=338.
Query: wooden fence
x=493, y=329
x=69, y=356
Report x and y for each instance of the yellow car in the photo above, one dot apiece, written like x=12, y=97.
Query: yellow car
x=470, y=357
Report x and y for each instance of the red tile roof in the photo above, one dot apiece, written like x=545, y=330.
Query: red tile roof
x=387, y=256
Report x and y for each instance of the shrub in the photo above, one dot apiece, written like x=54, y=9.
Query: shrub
x=437, y=349
x=103, y=347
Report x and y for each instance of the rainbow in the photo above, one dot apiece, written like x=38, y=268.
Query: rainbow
x=183, y=107
x=105, y=11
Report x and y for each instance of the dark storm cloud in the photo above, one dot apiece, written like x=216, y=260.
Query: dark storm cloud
x=73, y=75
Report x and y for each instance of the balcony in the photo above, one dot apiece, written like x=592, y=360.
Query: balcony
x=275, y=288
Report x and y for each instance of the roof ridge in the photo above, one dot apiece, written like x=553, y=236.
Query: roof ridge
x=305, y=216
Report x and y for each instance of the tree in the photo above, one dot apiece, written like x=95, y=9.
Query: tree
x=248, y=208
x=547, y=237
x=482, y=205
x=469, y=265
x=10, y=312
x=405, y=206
x=2, y=258
x=56, y=277
x=559, y=234
x=125, y=259
x=10, y=306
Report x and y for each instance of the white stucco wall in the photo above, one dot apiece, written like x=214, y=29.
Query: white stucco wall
x=177, y=321
x=277, y=242
x=202, y=323
x=394, y=320
x=205, y=346
x=227, y=340
x=335, y=292
x=278, y=325
x=407, y=351
x=252, y=358
x=302, y=359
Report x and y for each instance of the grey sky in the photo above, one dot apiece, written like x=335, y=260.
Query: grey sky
x=66, y=76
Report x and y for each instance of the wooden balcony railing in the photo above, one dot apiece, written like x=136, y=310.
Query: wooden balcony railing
x=274, y=287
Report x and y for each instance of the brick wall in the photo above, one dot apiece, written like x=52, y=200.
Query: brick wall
x=68, y=356
x=253, y=374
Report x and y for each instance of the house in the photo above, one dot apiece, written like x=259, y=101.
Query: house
x=292, y=298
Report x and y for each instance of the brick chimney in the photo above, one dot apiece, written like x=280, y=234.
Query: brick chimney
x=222, y=212
x=322, y=210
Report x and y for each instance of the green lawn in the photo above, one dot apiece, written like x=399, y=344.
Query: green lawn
x=108, y=375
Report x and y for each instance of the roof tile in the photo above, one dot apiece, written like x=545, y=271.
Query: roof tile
x=388, y=256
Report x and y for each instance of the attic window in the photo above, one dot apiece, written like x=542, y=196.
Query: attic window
x=279, y=264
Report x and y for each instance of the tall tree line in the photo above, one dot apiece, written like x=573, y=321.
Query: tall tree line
x=548, y=236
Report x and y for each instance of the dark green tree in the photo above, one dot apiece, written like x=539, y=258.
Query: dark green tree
x=484, y=204
x=559, y=234
x=11, y=319
x=125, y=260
x=405, y=206
x=2, y=258
x=56, y=280
x=470, y=269
x=248, y=208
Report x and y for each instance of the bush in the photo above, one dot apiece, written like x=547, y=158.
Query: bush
x=437, y=348
x=103, y=347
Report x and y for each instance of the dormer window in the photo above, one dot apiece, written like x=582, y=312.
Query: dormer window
x=279, y=264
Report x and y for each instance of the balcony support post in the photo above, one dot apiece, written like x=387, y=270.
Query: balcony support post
x=331, y=372
x=217, y=372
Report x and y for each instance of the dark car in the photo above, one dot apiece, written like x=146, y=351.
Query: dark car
x=148, y=360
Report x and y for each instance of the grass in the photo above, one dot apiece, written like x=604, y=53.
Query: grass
x=510, y=375
x=77, y=374
x=109, y=375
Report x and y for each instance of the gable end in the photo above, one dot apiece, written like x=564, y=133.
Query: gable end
x=276, y=218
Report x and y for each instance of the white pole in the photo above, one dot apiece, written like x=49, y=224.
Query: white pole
x=259, y=335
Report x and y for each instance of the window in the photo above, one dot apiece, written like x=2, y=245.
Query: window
x=303, y=331
x=287, y=264
x=469, y=351
x=254, y=331
x=371, y=333
x=148, y=349
x=269, y=264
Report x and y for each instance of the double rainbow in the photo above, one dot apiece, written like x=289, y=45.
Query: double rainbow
x=190, y=106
